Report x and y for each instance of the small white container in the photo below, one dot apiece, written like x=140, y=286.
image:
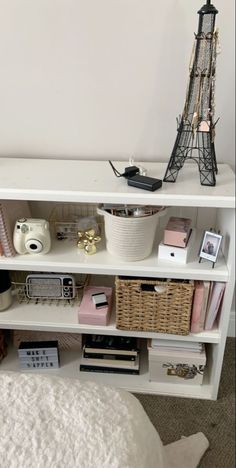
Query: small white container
x=177, y=367
x=178, y=255
x=130, y=239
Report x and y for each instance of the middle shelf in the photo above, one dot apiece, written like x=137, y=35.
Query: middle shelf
x=59, y=318
x=65, y=257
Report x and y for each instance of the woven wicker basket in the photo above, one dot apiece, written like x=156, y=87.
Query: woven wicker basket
x=162, y=306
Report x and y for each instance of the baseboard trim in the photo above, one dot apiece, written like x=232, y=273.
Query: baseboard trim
x=231, y=329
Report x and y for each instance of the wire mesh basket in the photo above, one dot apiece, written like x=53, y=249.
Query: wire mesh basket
x=48, y=289
x=65, y=217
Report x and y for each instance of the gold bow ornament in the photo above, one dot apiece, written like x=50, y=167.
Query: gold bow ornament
x=87, y=240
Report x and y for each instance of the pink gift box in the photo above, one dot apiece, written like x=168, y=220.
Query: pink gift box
x=88, y=313
x=177, y=231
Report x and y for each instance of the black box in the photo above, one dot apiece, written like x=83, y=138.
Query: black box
x=145, y=183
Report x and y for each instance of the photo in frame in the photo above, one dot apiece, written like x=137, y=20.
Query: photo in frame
x=210, y=246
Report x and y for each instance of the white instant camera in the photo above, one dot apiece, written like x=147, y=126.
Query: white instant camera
x=32, y=236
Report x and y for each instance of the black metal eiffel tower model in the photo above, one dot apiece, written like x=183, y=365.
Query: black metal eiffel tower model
x=196, y=126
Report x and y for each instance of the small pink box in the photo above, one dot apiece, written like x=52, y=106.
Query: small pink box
x=88, y=313
x=177, y=231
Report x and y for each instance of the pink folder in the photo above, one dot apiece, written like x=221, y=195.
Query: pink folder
x=197, y=306
x=215, y=304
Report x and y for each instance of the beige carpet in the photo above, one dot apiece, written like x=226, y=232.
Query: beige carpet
x=174, y=417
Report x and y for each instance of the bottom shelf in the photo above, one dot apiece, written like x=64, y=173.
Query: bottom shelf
x=69, y=368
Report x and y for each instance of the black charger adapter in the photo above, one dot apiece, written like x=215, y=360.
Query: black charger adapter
x=130, y=171
x=145, y=183
x=137, y=180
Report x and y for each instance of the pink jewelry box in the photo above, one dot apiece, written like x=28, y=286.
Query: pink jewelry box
x=180, y=255
x=88, y=313
x=177, y=231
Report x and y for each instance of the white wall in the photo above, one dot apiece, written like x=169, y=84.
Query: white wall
x=104, y=78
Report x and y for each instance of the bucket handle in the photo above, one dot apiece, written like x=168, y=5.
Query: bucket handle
x=101, y=212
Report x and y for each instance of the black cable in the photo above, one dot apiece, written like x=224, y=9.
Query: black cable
x=116, y=172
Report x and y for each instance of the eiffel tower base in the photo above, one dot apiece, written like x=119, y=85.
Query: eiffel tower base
x=205, y=158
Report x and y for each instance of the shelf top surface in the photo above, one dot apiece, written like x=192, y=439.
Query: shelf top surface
x=94, y=182
x=65, y=257
x=64, y=318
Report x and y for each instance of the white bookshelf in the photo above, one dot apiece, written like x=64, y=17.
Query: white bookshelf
x=46, y=182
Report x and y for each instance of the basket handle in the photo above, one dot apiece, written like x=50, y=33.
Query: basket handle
x=153, y=288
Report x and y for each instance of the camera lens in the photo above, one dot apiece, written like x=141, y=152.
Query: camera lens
x=34, y=246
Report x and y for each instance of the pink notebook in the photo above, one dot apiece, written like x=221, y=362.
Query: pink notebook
x=10, y=211
x=198, y=302
x=88, y=313
x=207, y=287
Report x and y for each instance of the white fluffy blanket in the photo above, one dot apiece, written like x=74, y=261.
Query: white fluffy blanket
x=49, y=422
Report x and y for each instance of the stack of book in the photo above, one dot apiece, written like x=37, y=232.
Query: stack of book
x=207, y=301
x=177, y=345
x=110, y=354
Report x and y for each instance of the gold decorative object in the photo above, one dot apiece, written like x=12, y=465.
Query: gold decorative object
x=87, y=241
x=184, y=371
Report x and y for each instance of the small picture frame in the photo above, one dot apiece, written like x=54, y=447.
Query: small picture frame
x=210, y=246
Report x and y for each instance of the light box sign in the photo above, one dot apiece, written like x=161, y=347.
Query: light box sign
x=37, y=355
